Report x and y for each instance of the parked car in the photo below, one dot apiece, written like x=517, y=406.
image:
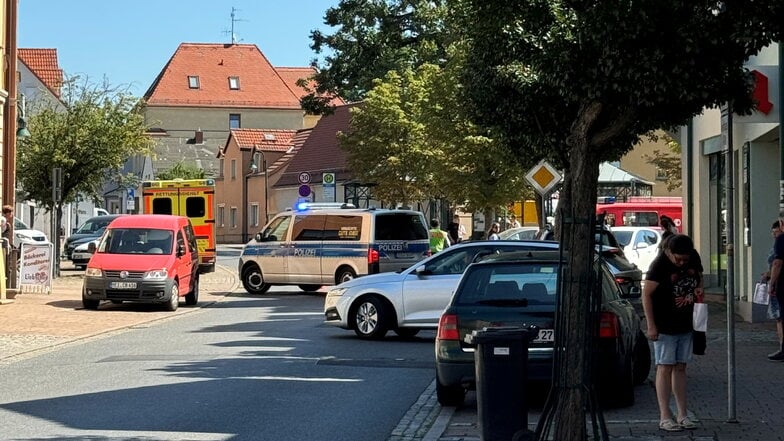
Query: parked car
x=147, y=258
x=520, y=289
x=627, y=274
x=25, y=234
x=640, y=244
x=602, y=237
x=519, y=233
x=90, y=230
x=413, y=299
x=82, y=253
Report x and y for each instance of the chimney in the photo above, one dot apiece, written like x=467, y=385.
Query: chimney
x=198, y=138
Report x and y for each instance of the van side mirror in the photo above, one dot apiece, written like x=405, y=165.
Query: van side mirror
x=258, y=237
x=91, y=248
x=180, y=249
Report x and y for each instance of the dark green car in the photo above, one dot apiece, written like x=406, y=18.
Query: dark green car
x=520, y=289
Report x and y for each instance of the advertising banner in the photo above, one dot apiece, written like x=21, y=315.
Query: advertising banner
x=36, y=262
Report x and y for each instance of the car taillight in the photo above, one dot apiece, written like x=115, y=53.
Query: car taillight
x=621, y=280
x=608, y=325
x=447, y=327
x=372, y=256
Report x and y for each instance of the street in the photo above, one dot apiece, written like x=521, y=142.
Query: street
x=261, y=368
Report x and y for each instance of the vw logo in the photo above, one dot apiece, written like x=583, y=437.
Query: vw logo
x=123, y=274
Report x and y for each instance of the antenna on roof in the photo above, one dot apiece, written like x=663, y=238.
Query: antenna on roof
x=234, y=39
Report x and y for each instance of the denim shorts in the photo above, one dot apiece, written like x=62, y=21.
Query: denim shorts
x=670, y=349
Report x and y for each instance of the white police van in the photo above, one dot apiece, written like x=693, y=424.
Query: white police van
x=312, y=247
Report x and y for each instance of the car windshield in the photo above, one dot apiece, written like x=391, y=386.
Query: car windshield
x=136, y=241
x=624, y=237
x=92, y=226
x=510, y=283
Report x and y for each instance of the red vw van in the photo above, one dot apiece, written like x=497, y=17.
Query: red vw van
x=149, y=258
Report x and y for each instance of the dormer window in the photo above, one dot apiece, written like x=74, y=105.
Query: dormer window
x=193, y=81
x=234, y=83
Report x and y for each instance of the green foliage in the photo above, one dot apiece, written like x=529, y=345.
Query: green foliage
x=181, y=170
x=89, y=135
x=371, y=38
x=669, y=162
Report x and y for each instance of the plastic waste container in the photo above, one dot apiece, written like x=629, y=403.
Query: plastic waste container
x=501, y=361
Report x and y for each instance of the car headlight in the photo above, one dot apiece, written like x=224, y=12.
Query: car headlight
x=93, y=272
x=160, y=274
x=336, y=292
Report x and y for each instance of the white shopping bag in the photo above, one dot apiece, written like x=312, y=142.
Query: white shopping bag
x=761, y=293
x=701, y=317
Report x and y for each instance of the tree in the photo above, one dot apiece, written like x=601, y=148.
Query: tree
x=669, y=162
x=373, y=37
x=89, y=136
x=578, y=82
x=183, y=171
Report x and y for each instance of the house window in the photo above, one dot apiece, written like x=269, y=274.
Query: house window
x=233, y=217
x=234, y=83
x=233, y=169
x=661, y=174
x=221, y=215
x=193, y=81
x=234, y=120
x=221, y=164
x=253, y=215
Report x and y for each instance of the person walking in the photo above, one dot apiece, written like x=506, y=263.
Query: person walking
x=492, y=234
x=774, y=286
x=673, y=284
x=456, y=230
x=8, y=214
x=439, y=239
x=775, y=231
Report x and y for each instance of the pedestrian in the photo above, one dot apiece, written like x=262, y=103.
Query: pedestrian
x=514, y=222
x=668, y=225
x=773, y=302
x=456, y=230
x=492, y=234
x=673, y=284
x=439, y=239
x=774, y=286
x=8, y=215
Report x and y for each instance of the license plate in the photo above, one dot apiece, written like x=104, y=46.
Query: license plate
x=545, y=336
x=122, y=285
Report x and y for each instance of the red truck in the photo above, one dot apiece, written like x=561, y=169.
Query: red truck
x=640, y=211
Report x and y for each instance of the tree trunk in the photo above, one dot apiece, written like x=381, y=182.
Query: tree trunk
x=576, y=237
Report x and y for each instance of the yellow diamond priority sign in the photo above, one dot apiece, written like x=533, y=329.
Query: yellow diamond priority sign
x=543, y=177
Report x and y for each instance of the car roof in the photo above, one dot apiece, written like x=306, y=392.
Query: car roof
x=162, y=221
x=634, y=228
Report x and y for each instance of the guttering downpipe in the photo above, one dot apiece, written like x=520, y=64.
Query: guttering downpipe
x=690, y=178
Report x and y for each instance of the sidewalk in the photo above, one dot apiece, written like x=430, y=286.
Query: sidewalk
x=759, y=395
x=36, y=322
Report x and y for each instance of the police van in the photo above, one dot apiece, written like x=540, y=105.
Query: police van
x=311, y=247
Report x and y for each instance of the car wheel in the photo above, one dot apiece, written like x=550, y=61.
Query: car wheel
x=192, y=297
x=344, y=275
x=90, y=303
x=406, y=332
x=253, y=280
x=642, y=359
x=449, y=395
x=370, y=318
x=174, y=300
x=309, y=288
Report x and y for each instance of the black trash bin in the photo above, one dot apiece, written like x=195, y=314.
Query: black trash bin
x=501, y=361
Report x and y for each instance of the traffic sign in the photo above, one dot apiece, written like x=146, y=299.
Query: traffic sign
x=304, y=178
x=543, y=177
x=304, y=190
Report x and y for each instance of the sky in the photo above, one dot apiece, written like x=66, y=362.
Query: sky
x=128, y=42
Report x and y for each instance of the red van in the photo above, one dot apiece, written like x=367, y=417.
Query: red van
x=149, y=258
x=640, y=211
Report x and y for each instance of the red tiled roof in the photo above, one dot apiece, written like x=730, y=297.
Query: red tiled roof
x=321, y=153
x=43, y=64
x=293, y=74
x=260, y=85
x=296, y=145
x=264, y=139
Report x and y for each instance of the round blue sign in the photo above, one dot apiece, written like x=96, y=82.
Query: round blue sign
x=304, y=190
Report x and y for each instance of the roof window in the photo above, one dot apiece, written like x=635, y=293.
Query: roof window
x=193, y=81
x=234, y=83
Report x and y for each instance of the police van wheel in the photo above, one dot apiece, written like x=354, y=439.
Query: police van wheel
x=344, y=275
x=370, y=318
x=253, y=281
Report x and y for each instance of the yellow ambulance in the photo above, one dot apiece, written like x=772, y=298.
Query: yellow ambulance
x=192, y=198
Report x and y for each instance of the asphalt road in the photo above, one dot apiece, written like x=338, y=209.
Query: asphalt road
x=245, y=368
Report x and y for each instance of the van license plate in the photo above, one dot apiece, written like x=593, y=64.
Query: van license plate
x=545, y=336
x=122, y=285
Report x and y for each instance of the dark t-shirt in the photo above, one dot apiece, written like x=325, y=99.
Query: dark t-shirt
x=673, y=298
x=453, y=229
x=778, y=253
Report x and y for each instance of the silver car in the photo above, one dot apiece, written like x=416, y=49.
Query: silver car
x=413, y=299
